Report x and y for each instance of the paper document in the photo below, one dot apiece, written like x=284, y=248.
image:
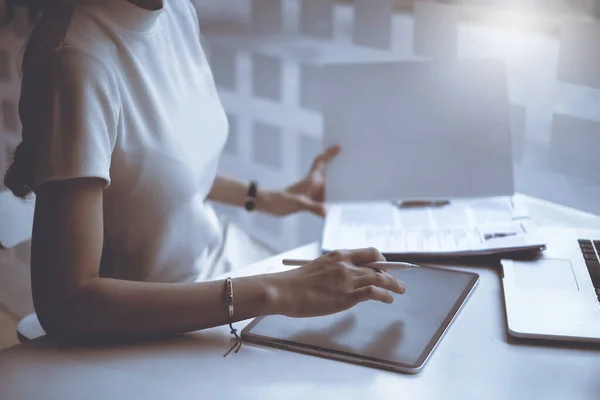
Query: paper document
x=460, y=228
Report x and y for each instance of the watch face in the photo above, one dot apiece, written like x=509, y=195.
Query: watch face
x=249, y=205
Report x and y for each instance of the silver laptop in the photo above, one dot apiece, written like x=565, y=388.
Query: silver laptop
x=556, y=297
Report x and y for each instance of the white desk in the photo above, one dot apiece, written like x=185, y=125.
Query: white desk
x=475, y=360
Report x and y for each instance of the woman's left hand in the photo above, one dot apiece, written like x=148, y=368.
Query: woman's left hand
x=308, y=194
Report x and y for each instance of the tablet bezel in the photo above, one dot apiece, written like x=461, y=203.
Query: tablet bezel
x=249, y=336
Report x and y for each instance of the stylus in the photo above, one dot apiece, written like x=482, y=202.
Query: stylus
x=376, y=264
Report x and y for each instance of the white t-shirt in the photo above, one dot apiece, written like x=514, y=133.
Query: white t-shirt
x=128, y=97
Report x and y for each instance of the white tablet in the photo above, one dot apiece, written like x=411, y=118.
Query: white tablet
x=399, y=336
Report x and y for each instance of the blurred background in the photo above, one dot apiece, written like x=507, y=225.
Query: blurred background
x=266, y=54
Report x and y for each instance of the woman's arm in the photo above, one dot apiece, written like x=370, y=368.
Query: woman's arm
x=307, y=194
x=72, y=301
x=233, y=192
x=230, y=191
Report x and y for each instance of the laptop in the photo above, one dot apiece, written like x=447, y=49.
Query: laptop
x=556, y=296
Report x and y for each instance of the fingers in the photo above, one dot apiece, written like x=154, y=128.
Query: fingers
x=371, y=292
x=316, y=191
x=356, y=256
x=365, y=256
x=323, y=159
x=306, y=204
x=382, y=280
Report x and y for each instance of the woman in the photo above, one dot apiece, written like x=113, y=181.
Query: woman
x=122, y=132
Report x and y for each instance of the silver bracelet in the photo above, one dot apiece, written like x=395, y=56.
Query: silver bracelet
x=229, y=293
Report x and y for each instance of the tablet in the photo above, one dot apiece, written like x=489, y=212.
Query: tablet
x=400, y=336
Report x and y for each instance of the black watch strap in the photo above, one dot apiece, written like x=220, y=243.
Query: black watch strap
x=251, y=196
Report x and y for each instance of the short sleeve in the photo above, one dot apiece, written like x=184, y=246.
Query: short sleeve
x=70, y=118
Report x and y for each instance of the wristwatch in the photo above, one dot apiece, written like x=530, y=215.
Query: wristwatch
x=251, y=197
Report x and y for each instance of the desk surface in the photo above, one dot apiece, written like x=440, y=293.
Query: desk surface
x=475, y=360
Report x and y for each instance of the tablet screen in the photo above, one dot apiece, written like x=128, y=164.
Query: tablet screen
x=401, y=334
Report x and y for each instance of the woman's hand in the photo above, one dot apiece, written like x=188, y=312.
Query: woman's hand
x=334, y=282
x=306, y=195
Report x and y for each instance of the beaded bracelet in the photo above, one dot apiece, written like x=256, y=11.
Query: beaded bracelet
x=238, y=341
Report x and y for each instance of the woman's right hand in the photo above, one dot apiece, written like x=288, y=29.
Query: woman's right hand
x=334, y=282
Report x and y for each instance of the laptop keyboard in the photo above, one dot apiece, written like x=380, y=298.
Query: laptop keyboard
x=590, y=249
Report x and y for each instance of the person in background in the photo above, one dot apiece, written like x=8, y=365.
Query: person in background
x=122, y=133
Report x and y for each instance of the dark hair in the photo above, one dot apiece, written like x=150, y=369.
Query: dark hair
x=19, y=176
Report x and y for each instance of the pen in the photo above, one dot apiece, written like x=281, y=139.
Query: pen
x=376, y=264
x=421, y=203
x=489, y=236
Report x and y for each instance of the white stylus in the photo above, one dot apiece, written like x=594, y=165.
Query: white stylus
x=376, y=264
